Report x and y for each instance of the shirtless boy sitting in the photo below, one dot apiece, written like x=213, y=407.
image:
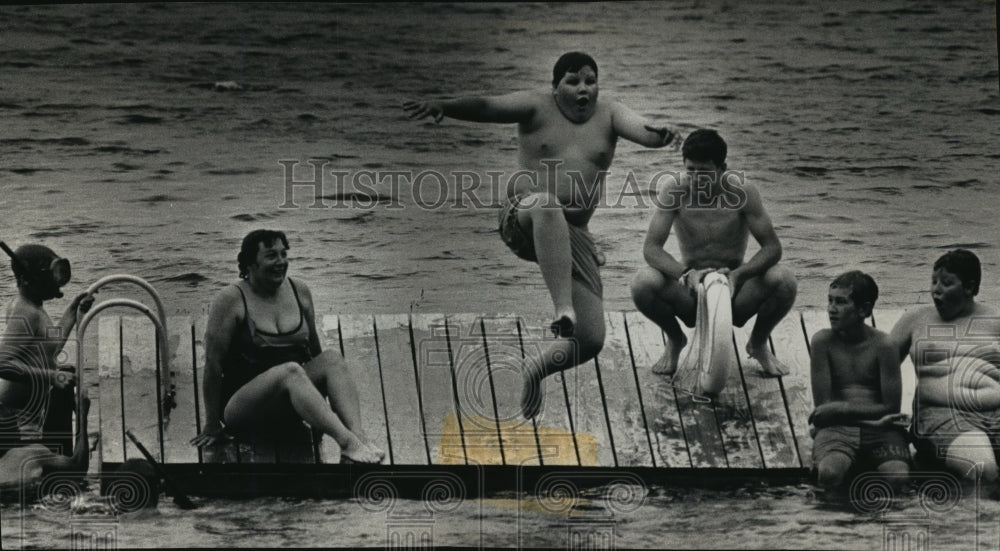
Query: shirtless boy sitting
x=567, y=140
x=30, y=345
x=714, y=213
x=954, y=348
x=856, y=387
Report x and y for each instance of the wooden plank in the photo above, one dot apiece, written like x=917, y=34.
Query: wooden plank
x=656, y=393
x=557, y=442
x=791, y=348
x=91, y=368
x=518, y=440
x=183, y=425
x=357, y=337
x=225, y=451
x=767, y=405
x=623, y=406
x=442, y=427
x=109, y=373
x=141, y=398
x=702, y=425
x=474, y=425
x=885, y=320
x=586, y=407
x=732, y=411
x=328, y=326
x=402, y=400
x=476, y=409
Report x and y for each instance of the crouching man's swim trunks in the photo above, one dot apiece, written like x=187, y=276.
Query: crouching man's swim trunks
x=585, y=267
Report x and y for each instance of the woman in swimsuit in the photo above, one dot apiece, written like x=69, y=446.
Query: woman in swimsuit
x=264, y=362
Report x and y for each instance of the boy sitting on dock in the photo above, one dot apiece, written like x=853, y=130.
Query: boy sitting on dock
x=714, y=212
x=955, y=348
x=32, y=384
x=567, y=140
x=857, y=389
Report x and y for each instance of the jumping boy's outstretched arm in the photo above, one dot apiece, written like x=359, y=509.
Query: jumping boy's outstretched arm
x=510, y=108
x=630, y=125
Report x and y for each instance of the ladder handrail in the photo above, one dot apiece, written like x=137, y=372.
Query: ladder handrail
x=163, y=406
x=166, y=402
x=128, y=278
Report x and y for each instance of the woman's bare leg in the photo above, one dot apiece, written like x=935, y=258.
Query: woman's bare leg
x=328, y=373
x=267, y=394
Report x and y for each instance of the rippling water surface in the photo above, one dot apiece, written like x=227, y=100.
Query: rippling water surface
x=871, y=128
x=872, y=132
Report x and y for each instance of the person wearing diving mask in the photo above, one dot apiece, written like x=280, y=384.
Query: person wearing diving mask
x=39, y=271
x=32, y=384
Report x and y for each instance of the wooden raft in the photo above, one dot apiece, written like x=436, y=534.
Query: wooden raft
x=444, y=390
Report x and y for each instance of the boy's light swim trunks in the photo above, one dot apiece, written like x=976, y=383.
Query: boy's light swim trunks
x=585, y=267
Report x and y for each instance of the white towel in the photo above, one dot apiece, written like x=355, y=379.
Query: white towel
x=708, y=359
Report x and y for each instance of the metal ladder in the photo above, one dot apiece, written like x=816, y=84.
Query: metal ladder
x=166, y=398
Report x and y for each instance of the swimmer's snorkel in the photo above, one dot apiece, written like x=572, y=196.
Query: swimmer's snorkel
x=43, y=269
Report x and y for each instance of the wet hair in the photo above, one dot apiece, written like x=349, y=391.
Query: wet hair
x=251, y=244
x=705, y=145
x=571, y=62
x=34, y=259
x=863, y=287
x=141, y=496
x=964, y=264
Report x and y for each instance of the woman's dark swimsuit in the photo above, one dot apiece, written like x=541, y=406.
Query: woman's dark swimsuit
x=254, y=351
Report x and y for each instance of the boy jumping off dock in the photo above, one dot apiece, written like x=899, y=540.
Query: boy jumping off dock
x=544, y=217
x=857, y=390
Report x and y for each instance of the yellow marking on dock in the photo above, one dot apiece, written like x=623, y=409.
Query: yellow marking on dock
x=518, y=441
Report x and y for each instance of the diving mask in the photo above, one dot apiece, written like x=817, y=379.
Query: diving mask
x=40, y=266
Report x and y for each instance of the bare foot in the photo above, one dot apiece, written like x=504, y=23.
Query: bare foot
x=376, y=450
x=359, y=452
x=564, y=324
x=531, y=394
x=771, y=366
x=667, y=364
